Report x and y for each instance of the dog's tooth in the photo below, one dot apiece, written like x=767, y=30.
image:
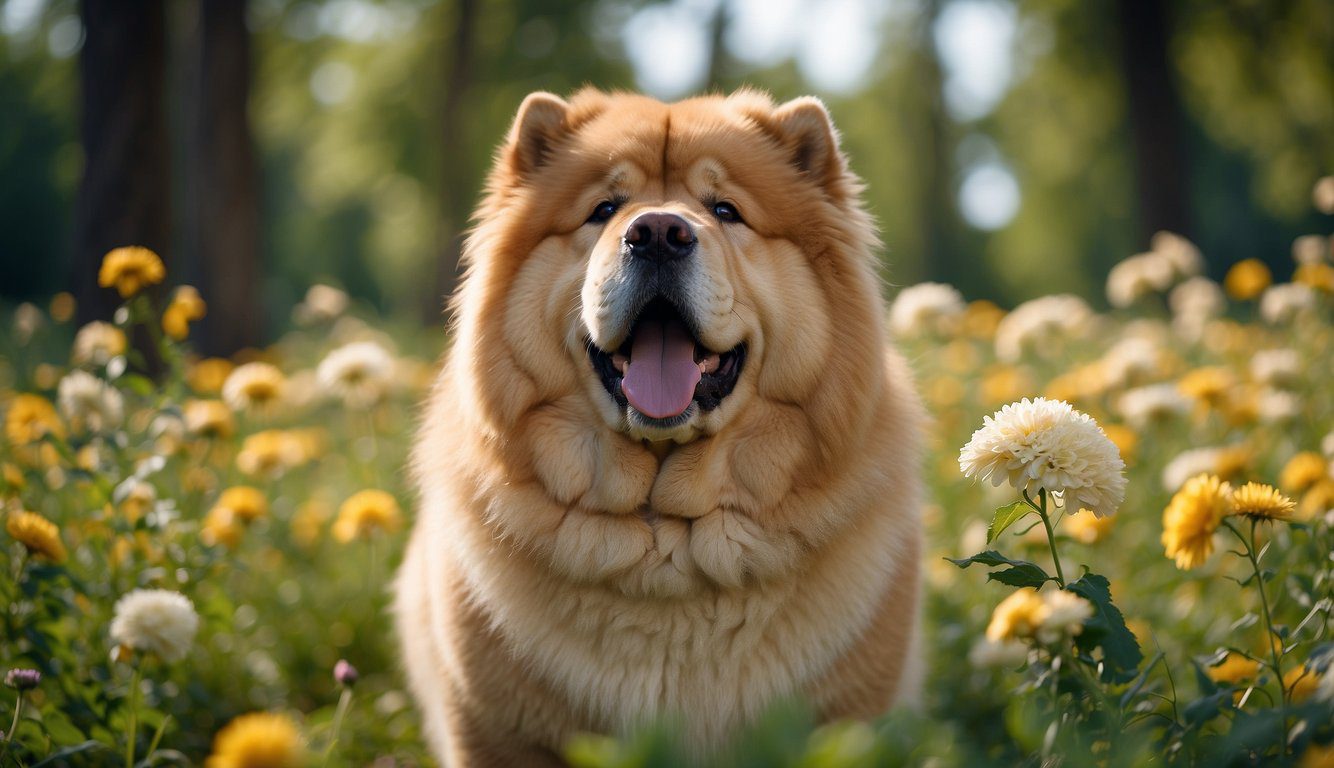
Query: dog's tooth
x=621, y=362
x=709, y=364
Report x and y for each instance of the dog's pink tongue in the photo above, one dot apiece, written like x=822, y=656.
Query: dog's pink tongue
x=661, y=379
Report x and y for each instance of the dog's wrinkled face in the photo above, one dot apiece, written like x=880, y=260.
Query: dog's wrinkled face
x=671, y=251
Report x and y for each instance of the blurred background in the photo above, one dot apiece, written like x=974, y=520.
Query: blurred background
x=1011, y=147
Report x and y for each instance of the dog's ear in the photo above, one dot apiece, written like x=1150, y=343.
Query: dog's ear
x=540, y=123
x=805, y=130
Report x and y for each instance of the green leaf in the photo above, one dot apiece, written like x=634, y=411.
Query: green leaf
x=1022, y=575
x=1005, y=517
x=1121, y=655
x=58, y=758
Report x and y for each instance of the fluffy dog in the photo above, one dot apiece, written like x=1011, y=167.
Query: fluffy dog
x=669, y=468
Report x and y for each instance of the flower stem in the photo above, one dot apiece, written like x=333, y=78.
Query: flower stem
x=1249, y=544
x=132, y=724
x=9, y=736
x=344, y=701
x=1051, y=535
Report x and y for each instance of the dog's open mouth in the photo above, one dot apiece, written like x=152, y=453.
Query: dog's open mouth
x=661, y=368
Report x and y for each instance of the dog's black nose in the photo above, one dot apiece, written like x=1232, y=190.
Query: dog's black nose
x=659, y=237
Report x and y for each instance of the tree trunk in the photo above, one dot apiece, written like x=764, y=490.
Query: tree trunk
x=454, y=190
x=224, y=215
x=124, y=195
x=1161, y=171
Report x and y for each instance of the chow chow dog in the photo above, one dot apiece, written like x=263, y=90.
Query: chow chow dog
x=669, y=469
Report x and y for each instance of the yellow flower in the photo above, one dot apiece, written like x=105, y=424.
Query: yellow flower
x=1300, y=683
x=96, y=343
x=1234, y=668
x=308, y=522
x=1319, y=276
x=30, y=418
x=62, y=307
x=270, y=453
x=366, y=512
x=245, y=502
x=258, y=740
x=1318, y=500
x=1018, y=615
x=208, y=375
x=1210, y=385
x=1247, y=279
x=138, y=500
x=1262, y=502
x=130, y=270
x=208, y=418
x=1191, y=518
x=185, y=307
x=1317, y=756
x=1086, y=527
x=1303, y=471
x=253, y=386
x=38, y=535
x=980, y=319
x=1124, y=438
x=221, y=526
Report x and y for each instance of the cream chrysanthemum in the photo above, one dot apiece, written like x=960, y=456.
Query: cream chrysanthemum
x=359, y=373
x=925, y=308
x=1137, y=276
x=1192, y=517
x=89, y=402
x=1047, y=444
x=156, y=621
x=1282, y=303
x=1049, y=616
x=96, y=343
x=1039, y=322
x=253, y=386
x=1262, y=502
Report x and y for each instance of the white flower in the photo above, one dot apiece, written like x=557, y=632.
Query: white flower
x=987, y=653
x=1138, y=276
x=925, y=307
x=96, y=343
x=359, y=373
x=1047, y=444
x=1063, y=616
x=1310, y=249
x=156, y=621
x=322, y=303
x=85, y=399
x=1198, y=297
x=1157, y=402
x=1181, y=253
x=254, y=386
x=1129, y=359
x=1274, y=406
x=1039, y=322
x=1188, y=464
x=1281, y=303
x=1327, y=442
x=1276, y=367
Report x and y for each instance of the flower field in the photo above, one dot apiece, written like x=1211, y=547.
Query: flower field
x=1136, y=507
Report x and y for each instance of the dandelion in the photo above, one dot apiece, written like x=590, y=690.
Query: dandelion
x=365, y=513
x=981, y=318
x=258, y=740
x=186, y=306
x=271, y=453
x=1047, y=444
x=1303, y=471
x=221, y=526
x=39, y=536
x=208, y=418
x=253, y=387
x=1209, y=386
x=31, y=418
x=1247, y=279
x=925, y=308
x=155, y=621
x=1282, y=303
x=130, y=270
x=1233, y=669
x=1262, y=502
x=96, y=343
x=359, y=373
x=89, y=402
x=1192, y=517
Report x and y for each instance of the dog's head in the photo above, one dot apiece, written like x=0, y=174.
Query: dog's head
x=666, y=265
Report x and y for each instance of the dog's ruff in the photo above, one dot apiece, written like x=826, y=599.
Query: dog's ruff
x=578, y=567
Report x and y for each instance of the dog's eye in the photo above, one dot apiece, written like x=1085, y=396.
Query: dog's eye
x=604, y=210
x=726, y=212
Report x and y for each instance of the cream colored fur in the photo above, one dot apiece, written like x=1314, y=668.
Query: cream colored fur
x=572, y=572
